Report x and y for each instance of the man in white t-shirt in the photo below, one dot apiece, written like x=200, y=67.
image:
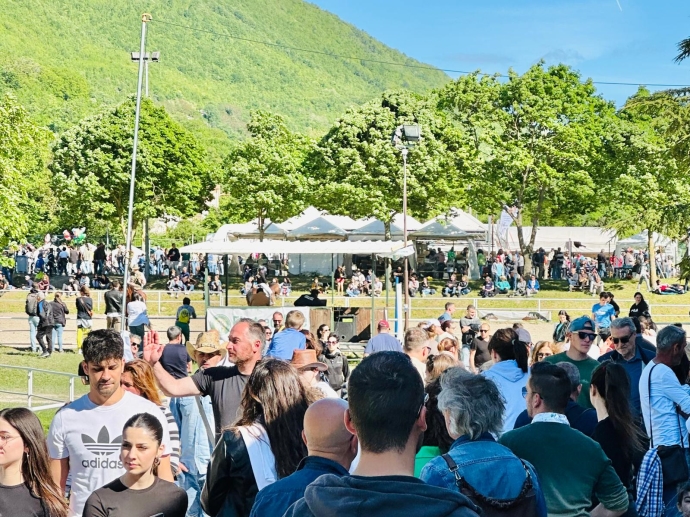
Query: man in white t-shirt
x=85, y=436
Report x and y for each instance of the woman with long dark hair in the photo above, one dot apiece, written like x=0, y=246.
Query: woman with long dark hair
x=509, y=372
x=616, y=431
x=561, y=328
x=140, y=491
x=264, y=445
x=639, y=308
x=27, y=488
x=138, y=378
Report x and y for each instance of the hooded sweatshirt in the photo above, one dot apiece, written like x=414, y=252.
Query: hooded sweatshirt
x=510, y=380
x=382, y=496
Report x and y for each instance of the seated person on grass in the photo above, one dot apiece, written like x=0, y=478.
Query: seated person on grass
x=502, y=286
x=488, y=289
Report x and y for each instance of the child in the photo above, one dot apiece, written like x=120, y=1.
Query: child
x=684, y=499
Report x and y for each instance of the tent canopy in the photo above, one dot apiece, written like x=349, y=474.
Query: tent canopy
x=273, y=247
x=593, y=239
x=467, y=222
x=438, y=230
x=319, y=228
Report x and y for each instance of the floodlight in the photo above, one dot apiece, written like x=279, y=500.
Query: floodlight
x=412, y=133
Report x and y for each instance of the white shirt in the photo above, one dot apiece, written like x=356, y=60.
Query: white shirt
x=326, y=389
x=136, y=314
x=666, y=393
x=90, y=436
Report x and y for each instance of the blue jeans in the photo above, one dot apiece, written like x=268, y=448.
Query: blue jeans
x=33, y=329
x=57, y=335
x=192, y=484
x=671, y=494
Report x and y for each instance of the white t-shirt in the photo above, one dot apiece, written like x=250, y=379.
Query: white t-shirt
x=90, y=436
x=136, y=314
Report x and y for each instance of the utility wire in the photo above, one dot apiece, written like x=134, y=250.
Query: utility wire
x=381, y=62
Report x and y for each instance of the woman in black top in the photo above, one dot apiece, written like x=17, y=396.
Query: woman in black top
x=139, y=491
x=639, y=308
x=84, y=312
x=27, y=488
x=616, y=431
x=59, y=320
x=561, y=328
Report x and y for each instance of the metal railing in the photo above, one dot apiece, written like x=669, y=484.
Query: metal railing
x=30, y=395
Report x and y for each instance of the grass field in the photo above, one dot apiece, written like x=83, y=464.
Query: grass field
x=45, y=384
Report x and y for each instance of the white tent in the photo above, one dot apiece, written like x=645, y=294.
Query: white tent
x=375, y=229
x=640, y=242
x=311, y=213
x=439, y=230
x=592, y=239
x=304, y=256
x=319, y=228
x=467, y=222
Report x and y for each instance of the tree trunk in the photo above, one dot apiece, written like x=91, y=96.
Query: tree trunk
x=262, y=221
x=387, y=230
x=652, y=259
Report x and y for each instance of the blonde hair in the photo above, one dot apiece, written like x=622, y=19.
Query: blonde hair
x=294, y=320
x=437, y=364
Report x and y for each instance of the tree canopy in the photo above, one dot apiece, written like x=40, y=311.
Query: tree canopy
x=92, y=166
x=263, y=176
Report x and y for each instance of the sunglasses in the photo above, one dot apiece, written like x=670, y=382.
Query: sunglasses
x=277, y=321
x=622, y=340
x=586, y=335
x=483, y=331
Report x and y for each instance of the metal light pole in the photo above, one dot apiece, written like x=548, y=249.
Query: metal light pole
x=145, y=18
x=404, y=137
x=155, y=57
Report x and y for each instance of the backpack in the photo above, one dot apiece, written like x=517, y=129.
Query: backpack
x=45, y=312
x=184, y=316
x=31, y=306
x=524, y=505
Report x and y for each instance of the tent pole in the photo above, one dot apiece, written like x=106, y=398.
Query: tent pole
x=372, y=273
x=225, y=270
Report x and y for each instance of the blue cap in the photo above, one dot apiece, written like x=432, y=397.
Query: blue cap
x=581, y=323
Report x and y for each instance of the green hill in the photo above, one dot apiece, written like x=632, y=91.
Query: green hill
x=66, y=59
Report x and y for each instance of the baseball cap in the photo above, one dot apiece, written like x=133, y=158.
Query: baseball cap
x=581, y=323
x=523, y=336
x=431, y=323
x=383, y=324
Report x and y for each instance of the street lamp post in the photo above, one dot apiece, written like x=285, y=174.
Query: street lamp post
x=405, y=137
x=155, y=58
x=145, y=18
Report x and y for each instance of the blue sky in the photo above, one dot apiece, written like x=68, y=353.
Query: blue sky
x=633, y=43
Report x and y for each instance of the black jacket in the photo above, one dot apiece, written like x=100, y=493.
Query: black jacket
x=113, y=301
x=45, y=314
x=59, y=311
x=230, y=487
x=338, y=368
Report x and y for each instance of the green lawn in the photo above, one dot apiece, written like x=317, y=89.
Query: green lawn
x=53, y=386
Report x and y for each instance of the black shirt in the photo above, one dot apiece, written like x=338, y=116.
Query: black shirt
x=482, y=354
x=307, y=300
x=608, y=438
x=113, y=301
x=17, y=501
x=116, y=500
x=84, y=303
x=173, y=254
x=638, y=309
x=225, y=386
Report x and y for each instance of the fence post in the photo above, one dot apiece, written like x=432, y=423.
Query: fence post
x=98, y=301
x=71, y=389
x=538, y=305
x=159, y=303
x=30, y=390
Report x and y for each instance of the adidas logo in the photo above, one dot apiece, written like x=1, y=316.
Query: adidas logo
x=103, y=445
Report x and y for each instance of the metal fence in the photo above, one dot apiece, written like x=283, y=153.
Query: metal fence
x=31, y=395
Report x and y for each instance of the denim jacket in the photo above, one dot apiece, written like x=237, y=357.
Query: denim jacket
x=194, y=444
x=489, y=467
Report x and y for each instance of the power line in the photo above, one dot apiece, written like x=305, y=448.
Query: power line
x=392, y=63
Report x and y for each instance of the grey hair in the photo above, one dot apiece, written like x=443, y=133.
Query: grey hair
x=174, y=332
x=255, y=331
x=573, y=373
x=669, y=336
x=621, y=323
x=473, y=402
x=415, y=338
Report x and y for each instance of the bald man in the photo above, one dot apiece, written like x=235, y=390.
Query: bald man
x=331, y=450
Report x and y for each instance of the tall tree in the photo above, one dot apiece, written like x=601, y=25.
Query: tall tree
x=361, y=172
x=25, y=199
x=263, y=177
x=536, y=135
x=92, y=165
x=649, y=186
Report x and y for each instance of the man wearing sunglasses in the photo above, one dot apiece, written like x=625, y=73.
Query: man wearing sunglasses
x=630, y=356
x=581, y=335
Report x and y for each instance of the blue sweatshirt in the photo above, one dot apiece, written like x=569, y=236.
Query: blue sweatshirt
x=510, y=380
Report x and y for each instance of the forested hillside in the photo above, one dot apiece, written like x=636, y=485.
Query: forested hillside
x=65, y=59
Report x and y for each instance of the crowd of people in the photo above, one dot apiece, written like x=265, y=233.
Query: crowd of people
x=453, y=421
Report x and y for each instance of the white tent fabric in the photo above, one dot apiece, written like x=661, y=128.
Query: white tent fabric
x=593, y=239
x=375, y=229
x=467, y=222
x=275, y=247
x=319, y=228
x=437, y=229
x=311, y=213
x=639, y=242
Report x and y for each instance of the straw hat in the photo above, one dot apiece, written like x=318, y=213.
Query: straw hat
x=306, y=360
x=206, y=342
